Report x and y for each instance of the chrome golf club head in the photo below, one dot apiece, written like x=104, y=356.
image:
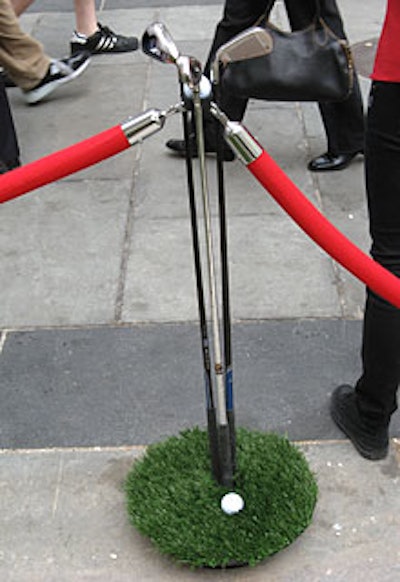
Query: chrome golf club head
x=190, y=70
x=158, y=43
x=254, y=42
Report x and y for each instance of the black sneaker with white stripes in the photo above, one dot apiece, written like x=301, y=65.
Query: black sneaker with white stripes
x=104, y=40
x=59, y=72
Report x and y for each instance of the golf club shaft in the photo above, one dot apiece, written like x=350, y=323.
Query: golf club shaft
x=210, y=405
x=224, y=436
x=226, y=315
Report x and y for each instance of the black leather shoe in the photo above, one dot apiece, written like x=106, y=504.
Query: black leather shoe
x=329, y=162
x=178, y=146
x=369, y=438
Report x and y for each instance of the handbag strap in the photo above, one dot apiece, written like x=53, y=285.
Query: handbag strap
x=318, y=10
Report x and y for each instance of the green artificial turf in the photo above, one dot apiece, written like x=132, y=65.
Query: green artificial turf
x=173, y=499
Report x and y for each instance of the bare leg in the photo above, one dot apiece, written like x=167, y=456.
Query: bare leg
x=21, y=5
x=85, y=16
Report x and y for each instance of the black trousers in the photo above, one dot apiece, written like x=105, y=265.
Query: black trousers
x=9, y=150
x=344, y=121
x=377, y=387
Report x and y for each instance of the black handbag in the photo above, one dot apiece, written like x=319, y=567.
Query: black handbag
x=311, y=64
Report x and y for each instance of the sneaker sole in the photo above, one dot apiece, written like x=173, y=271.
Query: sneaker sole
x=36, y=95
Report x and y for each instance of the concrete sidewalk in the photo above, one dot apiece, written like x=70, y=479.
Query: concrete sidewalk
x=64, y=519
x=99, y=342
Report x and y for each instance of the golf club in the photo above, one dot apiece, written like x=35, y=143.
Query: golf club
x=254, y=42
x=158, y=43
x=226, y=317
x=219, y=368
x=210, y=404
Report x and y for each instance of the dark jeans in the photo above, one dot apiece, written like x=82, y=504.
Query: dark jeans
x=344, y=121
x=9, y=151
x=377, y=387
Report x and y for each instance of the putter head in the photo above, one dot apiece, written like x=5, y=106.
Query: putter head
x=158, y=43
x=254, y=42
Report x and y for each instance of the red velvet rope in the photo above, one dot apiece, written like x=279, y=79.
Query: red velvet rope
x=282, y=189
x=264, y=168
x=62, y=163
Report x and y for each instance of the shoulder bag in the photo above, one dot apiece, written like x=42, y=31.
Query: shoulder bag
x=311, y=64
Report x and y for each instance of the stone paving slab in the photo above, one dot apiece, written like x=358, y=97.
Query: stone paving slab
x=135, y=385
x=60, y=263
x=65, y=515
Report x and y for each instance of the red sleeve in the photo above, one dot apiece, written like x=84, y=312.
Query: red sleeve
x=387, y=60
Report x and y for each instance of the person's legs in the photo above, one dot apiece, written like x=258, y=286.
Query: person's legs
x=92, y=36
x=374, y=398
x=381, y=345
x=26, y=63
x=20, y=54
x=9, y=150
x=21, y=5
x=85, y=17
x=377, y=387
x=89, y=35
x=343, y=121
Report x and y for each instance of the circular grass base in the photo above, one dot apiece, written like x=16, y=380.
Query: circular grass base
x=173, y=499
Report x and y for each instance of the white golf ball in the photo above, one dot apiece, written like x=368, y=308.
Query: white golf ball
x=232, y=503
x=205, y=89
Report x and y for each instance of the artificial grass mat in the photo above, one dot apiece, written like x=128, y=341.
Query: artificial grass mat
x=173, y=499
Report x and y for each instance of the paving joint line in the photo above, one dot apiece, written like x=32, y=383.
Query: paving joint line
x=125, y=249
x=85, y=450
x=141, y=448
x=3, y=337
x=130, y=217
x=337, y=278
x=154, y=323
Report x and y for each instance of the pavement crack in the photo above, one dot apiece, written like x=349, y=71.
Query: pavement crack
x=129, y=225
x=123, y=269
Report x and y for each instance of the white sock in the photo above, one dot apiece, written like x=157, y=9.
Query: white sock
x=80, y=37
